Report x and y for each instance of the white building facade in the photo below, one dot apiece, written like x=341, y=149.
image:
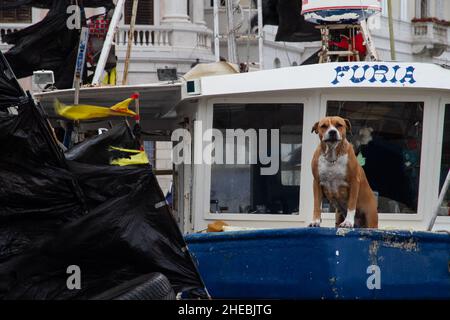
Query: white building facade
x=175, y=33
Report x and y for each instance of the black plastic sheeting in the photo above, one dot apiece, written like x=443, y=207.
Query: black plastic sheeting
x=110, y=221
x=286, y=14
x=10, y=91
x=97, y=149
x=48, y=44
x=46, y=4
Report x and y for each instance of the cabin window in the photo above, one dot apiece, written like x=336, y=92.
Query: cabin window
x=266, y=180
x=387, y=138
x=445, y=162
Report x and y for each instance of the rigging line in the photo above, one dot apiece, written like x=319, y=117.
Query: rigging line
x=249, y=27
x=287, y=53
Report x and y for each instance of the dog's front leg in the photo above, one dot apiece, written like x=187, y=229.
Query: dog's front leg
x=317, y=204
x=349, y=221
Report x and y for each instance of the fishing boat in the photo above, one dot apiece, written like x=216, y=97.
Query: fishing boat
x=400, y=116
x=391, y=105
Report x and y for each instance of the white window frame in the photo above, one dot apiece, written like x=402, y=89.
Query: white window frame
x=429, y=153
x=440, y=141
x=206, y=169
x=315, y=107
x=419, y=9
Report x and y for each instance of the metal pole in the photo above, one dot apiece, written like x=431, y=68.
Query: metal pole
x=108, y=42
x=81, y=58
x=260, y=35
x=440, y=201
x=216, y=30
x=81, y=54
x=391, y=30
x=130, y=41
x=231, y=40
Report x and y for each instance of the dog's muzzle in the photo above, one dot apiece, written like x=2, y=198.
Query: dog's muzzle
x=332, y=135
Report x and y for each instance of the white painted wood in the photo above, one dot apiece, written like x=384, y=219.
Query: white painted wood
x=321, y=76
x=314, y=96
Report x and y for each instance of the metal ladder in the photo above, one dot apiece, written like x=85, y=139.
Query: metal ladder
x=325, y=54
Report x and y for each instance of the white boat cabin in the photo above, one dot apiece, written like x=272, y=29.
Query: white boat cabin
x=400, y=117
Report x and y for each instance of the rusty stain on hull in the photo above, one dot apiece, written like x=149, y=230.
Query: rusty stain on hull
x=390, y=241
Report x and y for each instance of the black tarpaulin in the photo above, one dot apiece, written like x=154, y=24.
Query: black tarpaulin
x=97, y=149
x=286, y=14
x=10, y=91
x=37, y=192
x=110, y=221
x=46, y=4
x=46, y=45
x=49, y=44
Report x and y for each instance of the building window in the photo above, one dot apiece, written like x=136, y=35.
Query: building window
x=445, y=162
x=440, y=12
x=387, y=138
x=404, y=14
x=145, y=13
x=424, y=9
x=220, y=2
x=21, y=14
x=244, y=187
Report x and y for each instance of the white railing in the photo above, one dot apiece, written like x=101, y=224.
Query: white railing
x=6, y=28
x=145, y=36
x=156, y=36
x=204, y=39
x=430, y=31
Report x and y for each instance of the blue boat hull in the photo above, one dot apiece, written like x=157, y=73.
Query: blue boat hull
x=324, y=263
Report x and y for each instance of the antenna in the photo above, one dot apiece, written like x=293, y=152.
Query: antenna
x=233, y=6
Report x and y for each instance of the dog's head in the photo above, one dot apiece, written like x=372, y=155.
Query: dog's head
x=332, y=129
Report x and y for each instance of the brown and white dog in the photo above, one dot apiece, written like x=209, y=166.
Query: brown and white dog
x=340, y=178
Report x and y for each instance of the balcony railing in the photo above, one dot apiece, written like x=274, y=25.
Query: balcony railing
x=6, y=28
x=430, y=36
x=156, y=36
x=145, y=36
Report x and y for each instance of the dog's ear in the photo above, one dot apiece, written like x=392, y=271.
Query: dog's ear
x=315, y=128
x=348, y=125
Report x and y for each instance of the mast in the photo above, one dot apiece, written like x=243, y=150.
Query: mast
x=130, y=41
x=260, y=35
x=81, y=55
x=108, y=42
x=391, y=30
x=231, y=39
x=216, y=31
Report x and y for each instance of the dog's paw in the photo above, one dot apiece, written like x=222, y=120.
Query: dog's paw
x=346, y=224
x=314, y=224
